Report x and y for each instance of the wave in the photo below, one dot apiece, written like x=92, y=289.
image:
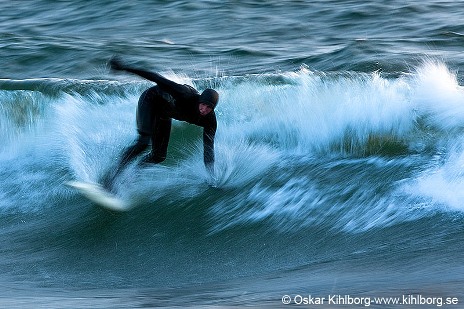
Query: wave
x=349, y=150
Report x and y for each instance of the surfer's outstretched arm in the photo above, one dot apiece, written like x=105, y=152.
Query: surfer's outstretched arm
x=162, y=82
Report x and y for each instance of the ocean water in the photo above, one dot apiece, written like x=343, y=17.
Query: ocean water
x=340, y=155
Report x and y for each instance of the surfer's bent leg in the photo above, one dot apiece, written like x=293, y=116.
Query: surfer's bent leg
x=145, y=117
x=145, y=126
x=160, y=141
x=162, y=104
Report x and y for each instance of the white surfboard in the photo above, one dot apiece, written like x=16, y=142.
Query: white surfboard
x=99, y=195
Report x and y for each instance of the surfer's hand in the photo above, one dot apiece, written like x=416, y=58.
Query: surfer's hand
x=116, y=64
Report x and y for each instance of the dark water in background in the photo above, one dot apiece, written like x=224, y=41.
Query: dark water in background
x=340, y=153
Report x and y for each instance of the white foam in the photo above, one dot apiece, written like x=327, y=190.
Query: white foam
x=438, y=96
x=441, y=186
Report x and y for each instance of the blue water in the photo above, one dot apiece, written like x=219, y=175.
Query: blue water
x=340, y=152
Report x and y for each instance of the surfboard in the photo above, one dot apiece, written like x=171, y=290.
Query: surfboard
x=99, y=195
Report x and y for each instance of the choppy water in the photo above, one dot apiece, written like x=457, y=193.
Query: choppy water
x=340, y=153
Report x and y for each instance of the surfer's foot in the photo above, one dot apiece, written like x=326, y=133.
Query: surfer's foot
x=107, y=184
x=108, y=180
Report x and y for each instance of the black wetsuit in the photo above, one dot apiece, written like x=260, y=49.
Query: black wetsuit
x=156, y=108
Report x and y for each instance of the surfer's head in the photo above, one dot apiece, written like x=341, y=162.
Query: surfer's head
x=208, y=101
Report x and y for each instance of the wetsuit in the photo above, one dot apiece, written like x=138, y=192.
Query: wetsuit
x=156, y=108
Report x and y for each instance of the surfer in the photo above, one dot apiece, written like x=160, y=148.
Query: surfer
x=156, y=108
